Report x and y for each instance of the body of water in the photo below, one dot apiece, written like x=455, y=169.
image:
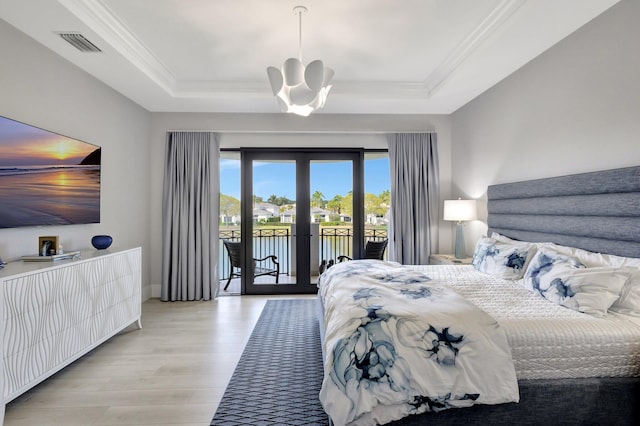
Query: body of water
x=329, y=247
x=49, y=195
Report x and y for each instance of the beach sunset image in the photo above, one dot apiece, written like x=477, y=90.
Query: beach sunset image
x=46, y=178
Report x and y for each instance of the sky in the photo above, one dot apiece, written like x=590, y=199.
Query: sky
x=24, y=145
x=330, y=178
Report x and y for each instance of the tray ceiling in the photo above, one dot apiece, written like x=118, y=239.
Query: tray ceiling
x=389, y=57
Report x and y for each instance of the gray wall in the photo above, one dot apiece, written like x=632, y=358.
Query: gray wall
x=575, y=108
x=40, y=88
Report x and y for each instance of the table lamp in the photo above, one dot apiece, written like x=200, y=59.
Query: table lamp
x=459, y=210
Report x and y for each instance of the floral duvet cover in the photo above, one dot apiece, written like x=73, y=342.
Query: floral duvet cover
x=399, y=343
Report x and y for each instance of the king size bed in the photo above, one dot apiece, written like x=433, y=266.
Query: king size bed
x=543, y=328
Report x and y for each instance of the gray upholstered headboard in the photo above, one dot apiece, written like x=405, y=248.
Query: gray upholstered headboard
x=598, y=211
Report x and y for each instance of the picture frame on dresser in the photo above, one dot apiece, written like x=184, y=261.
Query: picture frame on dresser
x=48, y=245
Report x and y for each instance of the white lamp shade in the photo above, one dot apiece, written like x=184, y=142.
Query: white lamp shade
x=460, y=210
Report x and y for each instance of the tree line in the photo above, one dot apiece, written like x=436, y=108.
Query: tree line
x=338, y=205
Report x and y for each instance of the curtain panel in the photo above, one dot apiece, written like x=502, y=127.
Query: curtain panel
x=190, y=217
x=415, y=197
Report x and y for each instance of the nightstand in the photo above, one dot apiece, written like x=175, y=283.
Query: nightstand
x=448, y=259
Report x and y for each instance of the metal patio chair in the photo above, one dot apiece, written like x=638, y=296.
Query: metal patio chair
x=235, y=258
x=372, y=250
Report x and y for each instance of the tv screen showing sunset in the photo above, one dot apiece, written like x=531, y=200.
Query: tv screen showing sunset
x=46, y=178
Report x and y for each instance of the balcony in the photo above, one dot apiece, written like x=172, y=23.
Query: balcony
x=327, y=244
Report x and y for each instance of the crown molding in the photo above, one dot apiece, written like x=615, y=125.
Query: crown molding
x=104, y=22
x=372, y=89
x=497, y=17
x=100, y=19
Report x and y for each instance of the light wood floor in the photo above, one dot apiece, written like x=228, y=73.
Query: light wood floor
x=172, y=372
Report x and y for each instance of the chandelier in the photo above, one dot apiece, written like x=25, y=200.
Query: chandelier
x=299, y=89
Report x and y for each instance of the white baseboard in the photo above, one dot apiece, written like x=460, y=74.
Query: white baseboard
x=146, y=293
x=156, y=290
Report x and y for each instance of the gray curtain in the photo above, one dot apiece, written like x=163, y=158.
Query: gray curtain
x=415, y=197
x=190, y=217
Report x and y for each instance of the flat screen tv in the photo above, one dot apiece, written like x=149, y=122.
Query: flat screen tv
x=46, y=178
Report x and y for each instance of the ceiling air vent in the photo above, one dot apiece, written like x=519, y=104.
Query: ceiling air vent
x=78, y=41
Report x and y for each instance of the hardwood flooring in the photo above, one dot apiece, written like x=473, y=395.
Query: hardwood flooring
x=172, y=372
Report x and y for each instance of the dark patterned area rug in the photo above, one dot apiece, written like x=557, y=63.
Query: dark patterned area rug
x=279, y=374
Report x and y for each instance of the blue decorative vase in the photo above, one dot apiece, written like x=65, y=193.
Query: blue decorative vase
x=101, y=242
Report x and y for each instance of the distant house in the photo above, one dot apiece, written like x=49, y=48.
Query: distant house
x=372, y=219
x=317, y=215
x=288, y=215
x=263, y=211
x=230, y=219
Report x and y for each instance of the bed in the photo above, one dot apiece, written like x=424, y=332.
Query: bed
x=569, y=310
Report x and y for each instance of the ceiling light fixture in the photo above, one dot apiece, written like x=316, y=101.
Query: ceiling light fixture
x=300, y=90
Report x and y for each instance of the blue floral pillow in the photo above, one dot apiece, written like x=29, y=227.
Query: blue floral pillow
x=502, y=260
x=567, y=282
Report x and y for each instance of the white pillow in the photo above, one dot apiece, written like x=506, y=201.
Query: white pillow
x=502, y=260
x=566, y=281
x=629, y=301
x=504, y=238
x=588, y=258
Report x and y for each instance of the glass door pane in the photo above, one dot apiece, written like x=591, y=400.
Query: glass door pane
x=273, y=224
x=288, y=197
x=377, y=196
x=230, y=219
x=331, y=208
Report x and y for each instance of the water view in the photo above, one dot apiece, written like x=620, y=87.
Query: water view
x=49, y=195
x=46, y=178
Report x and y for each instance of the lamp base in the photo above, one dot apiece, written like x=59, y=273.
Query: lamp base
x=460, y=252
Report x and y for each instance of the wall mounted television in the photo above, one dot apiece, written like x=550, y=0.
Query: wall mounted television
x=46, y=178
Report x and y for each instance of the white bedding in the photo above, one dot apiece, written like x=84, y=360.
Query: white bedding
x=548, y=341
x=399, y=342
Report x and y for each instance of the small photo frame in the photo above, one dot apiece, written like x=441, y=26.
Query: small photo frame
x=48, y=246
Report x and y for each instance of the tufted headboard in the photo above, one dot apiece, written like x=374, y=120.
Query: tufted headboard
x=597, y=211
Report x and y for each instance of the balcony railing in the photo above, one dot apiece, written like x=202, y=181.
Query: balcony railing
x=338, y=241
x=332, y=242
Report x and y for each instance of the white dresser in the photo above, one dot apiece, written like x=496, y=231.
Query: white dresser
x=55, y=312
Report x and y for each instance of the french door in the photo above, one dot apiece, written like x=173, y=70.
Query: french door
x=288, y=198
